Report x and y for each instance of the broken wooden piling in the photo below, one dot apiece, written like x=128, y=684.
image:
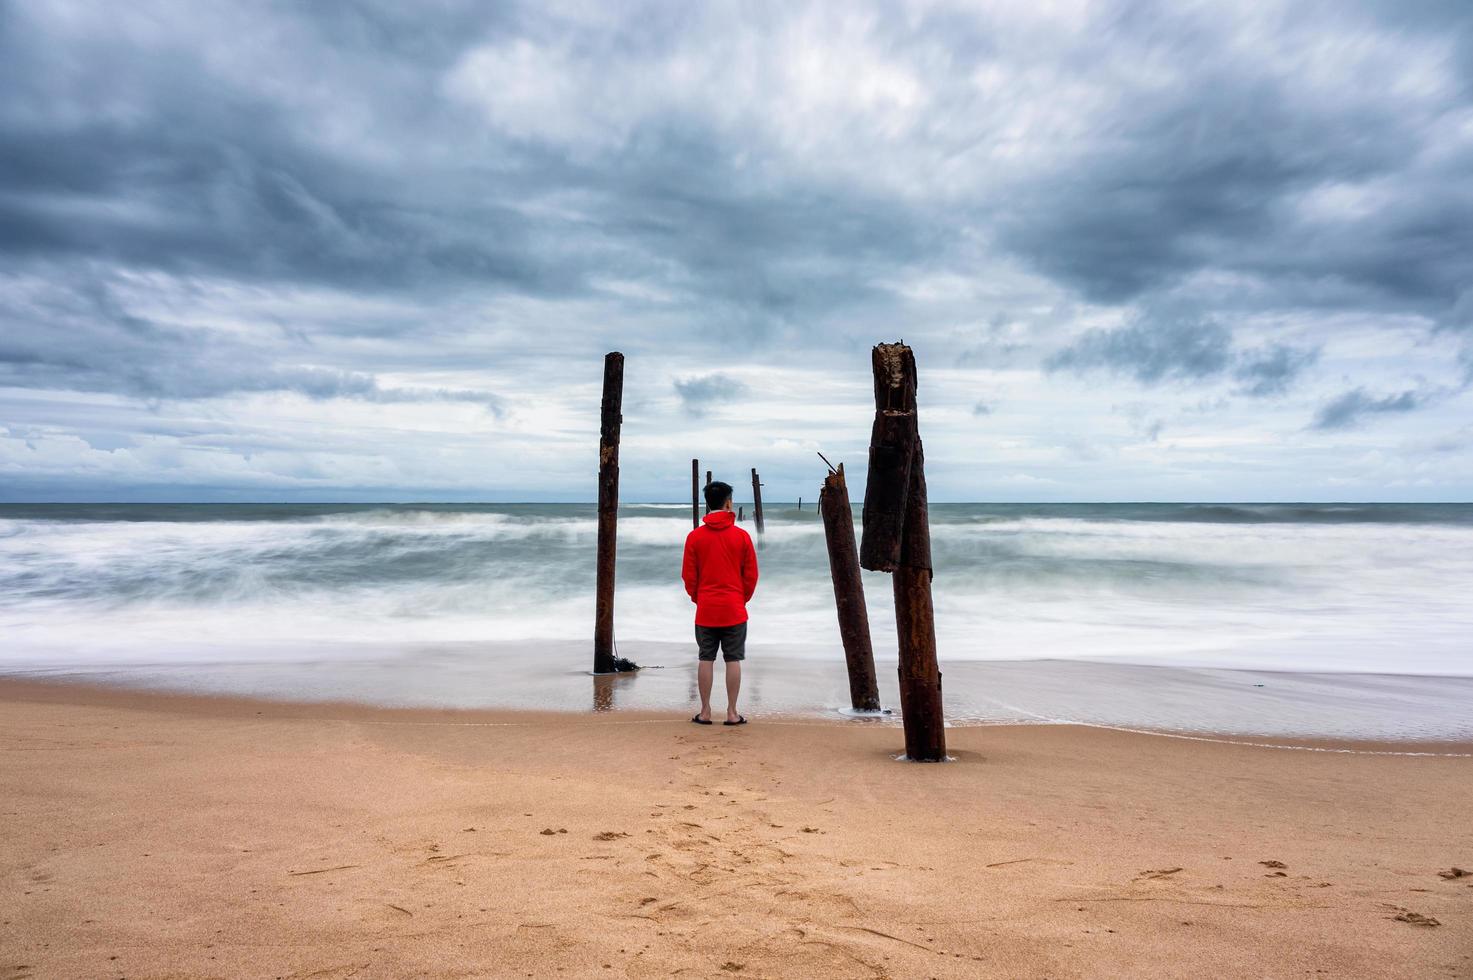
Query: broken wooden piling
x=708, y=483
x=610, y=419
x=695, y=494
x=757, y=501
x=838, y=531
x=897, y=539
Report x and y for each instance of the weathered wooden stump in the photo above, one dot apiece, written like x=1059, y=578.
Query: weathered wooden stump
x=604, y=660
x=897, y=539
x=838, y=530
x=757, y=501
x=695, y=494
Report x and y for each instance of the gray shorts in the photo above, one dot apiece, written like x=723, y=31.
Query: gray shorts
x=731, y=639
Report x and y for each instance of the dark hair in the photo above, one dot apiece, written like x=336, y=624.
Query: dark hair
x=717, y=494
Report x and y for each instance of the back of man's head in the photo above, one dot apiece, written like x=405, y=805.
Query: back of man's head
x=717, y=494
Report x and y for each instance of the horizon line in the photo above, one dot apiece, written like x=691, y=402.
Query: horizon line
x=555, y=503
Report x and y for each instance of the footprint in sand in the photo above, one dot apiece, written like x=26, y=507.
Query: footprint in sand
x=1416, y=918
x=548, y=831
x=610, y=835
x=1273, y=864
x=1160, y=873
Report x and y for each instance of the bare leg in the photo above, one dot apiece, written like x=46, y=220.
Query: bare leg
x=704, y=675
x=733, y=686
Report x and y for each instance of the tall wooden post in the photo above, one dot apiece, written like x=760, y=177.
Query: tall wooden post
x=897, y=538
x=708, y=483
x=741, y=513
x=695, y=493
x=608, y=511
x=838, y=530
x=757, y=501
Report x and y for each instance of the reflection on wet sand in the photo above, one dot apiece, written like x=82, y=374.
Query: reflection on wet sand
x=603, y=691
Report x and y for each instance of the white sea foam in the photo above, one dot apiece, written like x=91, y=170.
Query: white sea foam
x=1303, y=591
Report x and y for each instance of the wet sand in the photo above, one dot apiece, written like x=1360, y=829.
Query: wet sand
x=170, y=835
x=782, y=681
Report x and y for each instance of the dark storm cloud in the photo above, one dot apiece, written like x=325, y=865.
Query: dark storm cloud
x=207, y=172
x=193, y=192
x=698, y=394
x=1151, y=351
x=207, y=176
x=1155, y=350
x=78, y=336
x=1348, y=409
x=1212, y=172
x=1270, y=370
x=1448, y=20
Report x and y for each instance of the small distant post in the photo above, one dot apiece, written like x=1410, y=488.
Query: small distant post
x=608, y=512
x=695, y=493
x=800, y=503
x=708, y=483
x=897, y=538
x=741, y=513
x=757, y=501
x=838, y=530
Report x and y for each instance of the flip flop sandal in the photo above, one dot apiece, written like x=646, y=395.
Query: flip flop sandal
x=700, y=721
x=741, y=720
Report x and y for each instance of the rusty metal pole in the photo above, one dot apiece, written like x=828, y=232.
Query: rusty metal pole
x=757, y=501
x=897, y=539
x=838, y=531
x=610, y=420
x=708, y=483
x=695, y=493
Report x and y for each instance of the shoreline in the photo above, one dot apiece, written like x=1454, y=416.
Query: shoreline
x=1243, y=703
x=15, y=688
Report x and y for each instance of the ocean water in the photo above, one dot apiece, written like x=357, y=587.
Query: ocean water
x=208, y=590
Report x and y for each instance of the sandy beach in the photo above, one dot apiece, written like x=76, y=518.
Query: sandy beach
x=152, y=835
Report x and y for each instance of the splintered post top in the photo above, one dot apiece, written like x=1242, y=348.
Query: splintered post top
x=833, y=482
x=893, y=446
x=610, y=415
x=895, y=378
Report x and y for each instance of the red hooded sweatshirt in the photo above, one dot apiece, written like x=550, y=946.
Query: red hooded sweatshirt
x=720, y=570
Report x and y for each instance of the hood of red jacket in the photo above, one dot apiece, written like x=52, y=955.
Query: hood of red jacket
x=720, y=520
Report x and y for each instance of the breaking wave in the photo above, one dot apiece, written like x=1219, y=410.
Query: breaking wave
x=1354, y=587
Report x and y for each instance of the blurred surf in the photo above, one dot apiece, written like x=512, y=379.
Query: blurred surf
x=1299, y=587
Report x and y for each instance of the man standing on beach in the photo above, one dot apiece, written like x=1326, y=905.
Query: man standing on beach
x=720, y=572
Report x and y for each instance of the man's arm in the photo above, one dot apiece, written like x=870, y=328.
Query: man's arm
x=749, y=570
x=688, y=570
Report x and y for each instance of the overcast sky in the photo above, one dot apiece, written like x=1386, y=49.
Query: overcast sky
x=334, y=250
